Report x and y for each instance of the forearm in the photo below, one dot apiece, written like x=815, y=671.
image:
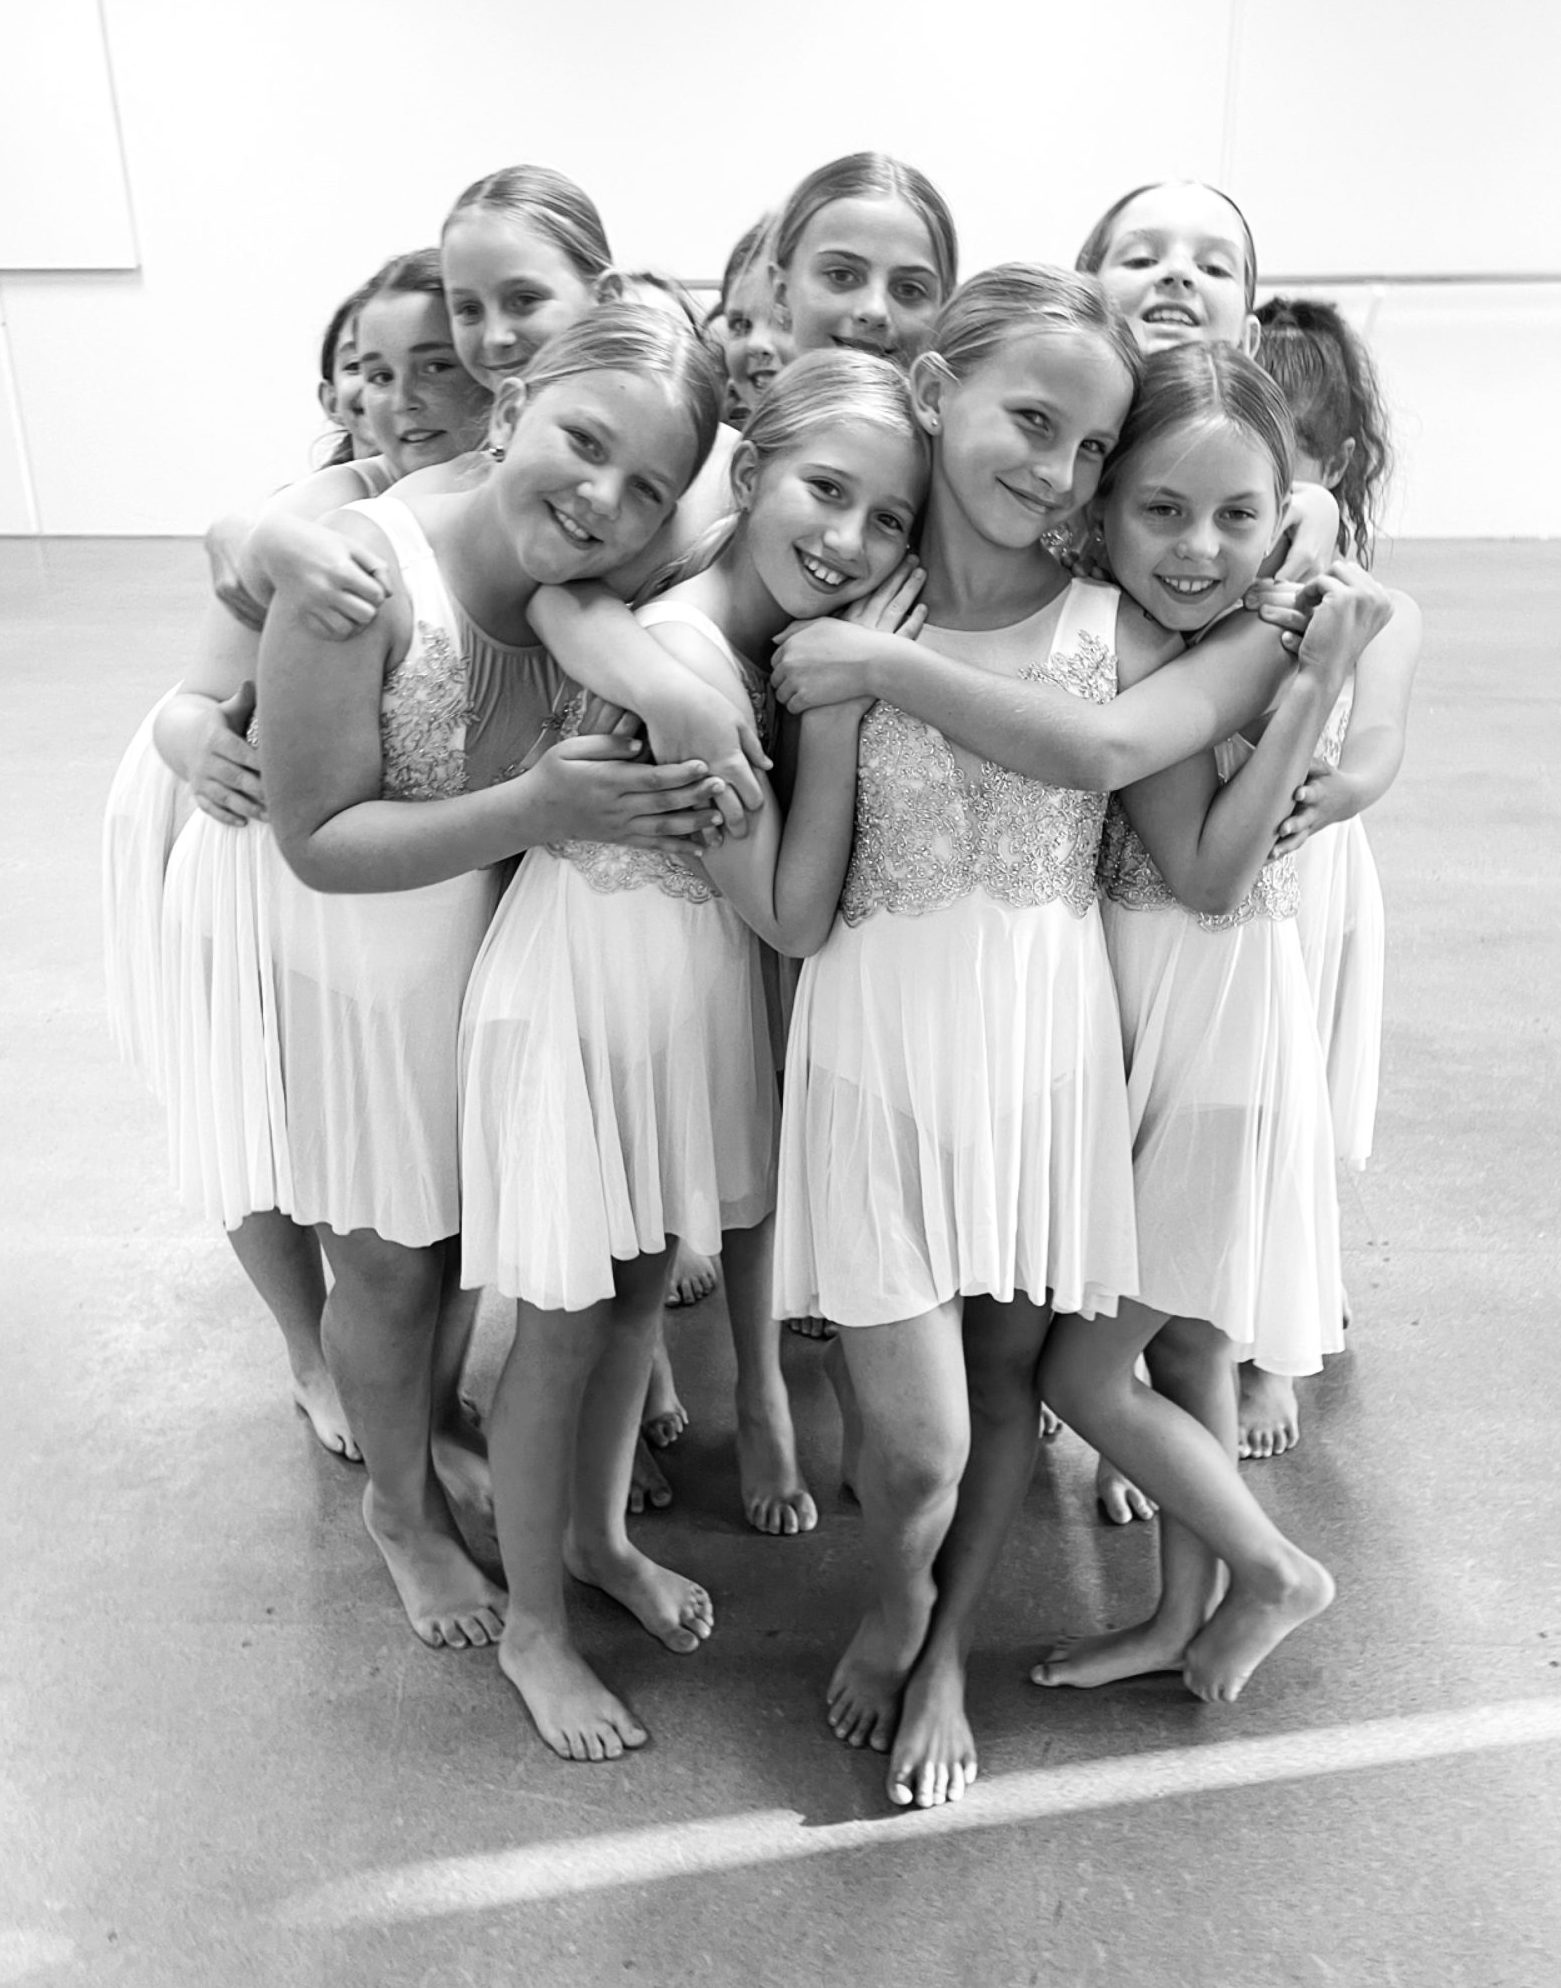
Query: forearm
x=379, y=845
x=596, y=641
x=1369, y=765
x=182, y=727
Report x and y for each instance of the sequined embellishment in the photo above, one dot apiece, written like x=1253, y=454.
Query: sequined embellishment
x=928, y=833
x=423, y=718
x=1129, y=877
x=1331, y=744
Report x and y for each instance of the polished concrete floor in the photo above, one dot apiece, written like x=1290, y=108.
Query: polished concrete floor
x=226, y=1761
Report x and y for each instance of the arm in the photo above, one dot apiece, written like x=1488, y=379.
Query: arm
x=1308, y=534
x=1171, y=710
x=324, y=771
x=200, y=732
x=1210, y=840
x=597, y=641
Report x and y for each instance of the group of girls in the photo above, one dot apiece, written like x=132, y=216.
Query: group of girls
x=956, y=676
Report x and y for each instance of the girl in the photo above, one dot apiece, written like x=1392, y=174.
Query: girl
x=226, y=1114
x=997, y=1182
x=1335, y=399
x=387, y=761
x=341, y=383
x=754, y=341
x=865, y=254
x=1232, y=1173
x=605, y=1113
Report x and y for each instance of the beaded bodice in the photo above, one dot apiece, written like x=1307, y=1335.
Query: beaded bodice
x=609, y=866
x=1129, y=875
x=931, y=827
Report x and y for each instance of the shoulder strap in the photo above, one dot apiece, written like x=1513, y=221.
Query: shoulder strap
x=1089, y=609
x=693, y=617
x=420, y=573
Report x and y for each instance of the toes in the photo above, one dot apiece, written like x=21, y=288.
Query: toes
x=900, y=1791
x=804, y=1511
x=636, y=1498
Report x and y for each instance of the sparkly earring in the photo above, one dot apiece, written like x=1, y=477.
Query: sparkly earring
x=494, y=452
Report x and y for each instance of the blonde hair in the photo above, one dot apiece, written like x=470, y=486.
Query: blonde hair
x=1016, y=297
x=871, y=173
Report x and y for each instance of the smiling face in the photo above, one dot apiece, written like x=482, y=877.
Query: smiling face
x=863, y=276
x=1176, y=263
x=755, y=344
x=509, y=289
x=1189, y=520
x=831, y=517
x=1024, y=437
x=594, y=465
x=421, y=405
x=341, y=396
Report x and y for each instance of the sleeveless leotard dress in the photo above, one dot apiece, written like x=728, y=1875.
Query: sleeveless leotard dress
x=617, y=1070
x=317, y=1031
x=147, y=806
x=1232, y=1161
x=955, y=1118
x=1344, y=944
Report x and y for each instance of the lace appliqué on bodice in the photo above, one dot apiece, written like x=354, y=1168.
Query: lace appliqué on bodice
x=1331, y=745
x=928, y=833
x=423, y=716
x=609, y=866
x=1129, y=877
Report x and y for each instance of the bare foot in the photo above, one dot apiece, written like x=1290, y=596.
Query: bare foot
x=1088, y=1661
x=316, y=1398
x=933, y=1759
x=811, y=1328
x=572, y=1710
x=692, y=1277
x=775, y=1498
x=1051, y=1425
x=1251, y=1621
x=461, y=1465
x=865, y=1691
x=448, y=1601
x=676, y=1611
x=647, y=1485
x=665, y=1418
x=1269, y=1418
x=1119, y=1499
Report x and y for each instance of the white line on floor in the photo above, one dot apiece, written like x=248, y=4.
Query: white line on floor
x=773, y=1836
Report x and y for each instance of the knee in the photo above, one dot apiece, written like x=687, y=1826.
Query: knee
x=915, y=1476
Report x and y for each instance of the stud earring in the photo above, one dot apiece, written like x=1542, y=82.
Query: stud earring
x=494, y=452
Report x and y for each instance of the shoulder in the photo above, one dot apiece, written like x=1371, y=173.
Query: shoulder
x=1142, y=644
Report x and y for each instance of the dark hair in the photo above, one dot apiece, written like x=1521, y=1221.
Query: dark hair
x=551, y=203
x=871, y=173
x=1017, y=297
x=413, y=274
x=1325, y=373
x=1187, y=385
x=750, y=244
x=343, y=315
x=1097, y=243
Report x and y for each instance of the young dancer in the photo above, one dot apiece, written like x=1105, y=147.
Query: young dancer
x=1327, y=377
x=1232, y=1166
x=388, y=760
x=973, y=1196
x=604, y=1112
x=865, y=255
x=754, y=341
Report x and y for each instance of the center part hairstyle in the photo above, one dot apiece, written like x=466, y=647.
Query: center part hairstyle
x=649, y=343
x=1019, y=297
x=1326, y=375
x=1196, y=387
x=553, y=205
x=1097, y=242
x=413, y=274
x=871, y=174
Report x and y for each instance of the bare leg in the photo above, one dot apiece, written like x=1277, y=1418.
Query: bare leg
x=692, y=1277
x=1192, y=1365
x=909, y=1379
x=597, y=1548
x=648, y=1486
x=460, y=1456
x=379, y=1329
x=665, y=1418
x=933, y=1758
x=839, y=1376
x=1270, y=1413
x=281, y=1258
x=775, y=1498
x=1087, y=1372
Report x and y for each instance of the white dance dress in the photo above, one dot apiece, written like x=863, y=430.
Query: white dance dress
x=1232, y=1145
x=617, y=1073
x=147, y=806
x=1344, y=943
x=955, y=1118
x=316, y=1032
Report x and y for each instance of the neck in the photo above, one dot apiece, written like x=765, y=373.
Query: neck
x=477, y=558
x=738, y=602
x=972, y=583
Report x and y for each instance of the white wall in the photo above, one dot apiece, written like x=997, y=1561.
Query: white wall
x=276, y=152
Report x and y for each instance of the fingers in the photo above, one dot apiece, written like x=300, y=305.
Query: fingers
x=601, y=745
x=241, y=604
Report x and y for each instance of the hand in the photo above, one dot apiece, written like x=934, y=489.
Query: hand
x=1324, y=797
x=708, y=727
x=337, y=587
x=224, y=770
x=599, y=790
x=892, y=606
x=1351, y=610
x=824, y=662
x=1312, y=521
x=224, y=543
